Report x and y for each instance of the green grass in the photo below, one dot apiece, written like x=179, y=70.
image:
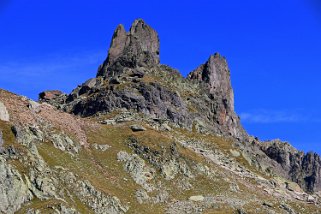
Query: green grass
x=42, y=206
x=8, y=136
x=102, y=169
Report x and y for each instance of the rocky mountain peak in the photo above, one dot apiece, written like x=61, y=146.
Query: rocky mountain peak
x=117, y=44
x=214, y=74
x=137, y=48
x=132, y=78
x=174, y=144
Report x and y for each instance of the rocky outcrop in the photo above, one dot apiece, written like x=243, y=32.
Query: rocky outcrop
x=64, y=143
x=53, y=97
x=26, y=135
x=122, y=83
x=98, y=201
x=214, y=77
x=4, y=115
x=151, y=99
x=100, y=147
x=13, y=191
x=137, y=128
x=138, y=170
x=304, y=169
x=49, y=95
x=168, y=162
x=137, y=48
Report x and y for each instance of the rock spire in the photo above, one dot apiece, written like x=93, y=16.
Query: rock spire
x=137, y=48
x=215, y=76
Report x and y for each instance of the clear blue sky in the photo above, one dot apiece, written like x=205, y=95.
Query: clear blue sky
x=273, y=49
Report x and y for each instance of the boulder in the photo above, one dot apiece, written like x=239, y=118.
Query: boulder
x=34, y=106
x=137, y=73
x=108, y=122
x=140, y=172
x=196, y=198
x=235, y=153
x=53, y=97
x=91, y=83
x=267, y=204
x=311, y=199
x=293, y=187
x=137, y=128
x=100, y=147
x=49, y=95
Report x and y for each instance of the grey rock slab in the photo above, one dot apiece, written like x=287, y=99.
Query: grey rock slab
x=196, y=198
x=4, y=114
x=137, y=128
x=100, y=147
x=108, y=122
x=311, y=199
x=98, y=201
x=13, y=191
x=137, y=168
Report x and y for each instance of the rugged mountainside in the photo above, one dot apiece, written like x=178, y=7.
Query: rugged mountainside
x=140, y=138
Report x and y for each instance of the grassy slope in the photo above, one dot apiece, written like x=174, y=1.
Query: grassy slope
x=104, y=171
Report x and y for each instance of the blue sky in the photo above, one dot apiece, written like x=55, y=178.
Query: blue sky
x=273, y=49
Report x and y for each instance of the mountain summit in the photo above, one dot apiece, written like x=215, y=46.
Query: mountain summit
x=131, y=78
x=140, y=138
x=138, y=47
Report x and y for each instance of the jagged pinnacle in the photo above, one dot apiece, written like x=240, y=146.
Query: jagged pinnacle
x=138, y=47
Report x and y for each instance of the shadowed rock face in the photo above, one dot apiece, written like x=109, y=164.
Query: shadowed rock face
x=304, y=169
x=150, y=99
x=138, y=47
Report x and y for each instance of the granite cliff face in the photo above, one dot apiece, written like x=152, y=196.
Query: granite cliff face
x=140, y=138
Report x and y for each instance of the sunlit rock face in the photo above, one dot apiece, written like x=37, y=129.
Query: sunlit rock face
x=214, y=77
x=4, y=115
